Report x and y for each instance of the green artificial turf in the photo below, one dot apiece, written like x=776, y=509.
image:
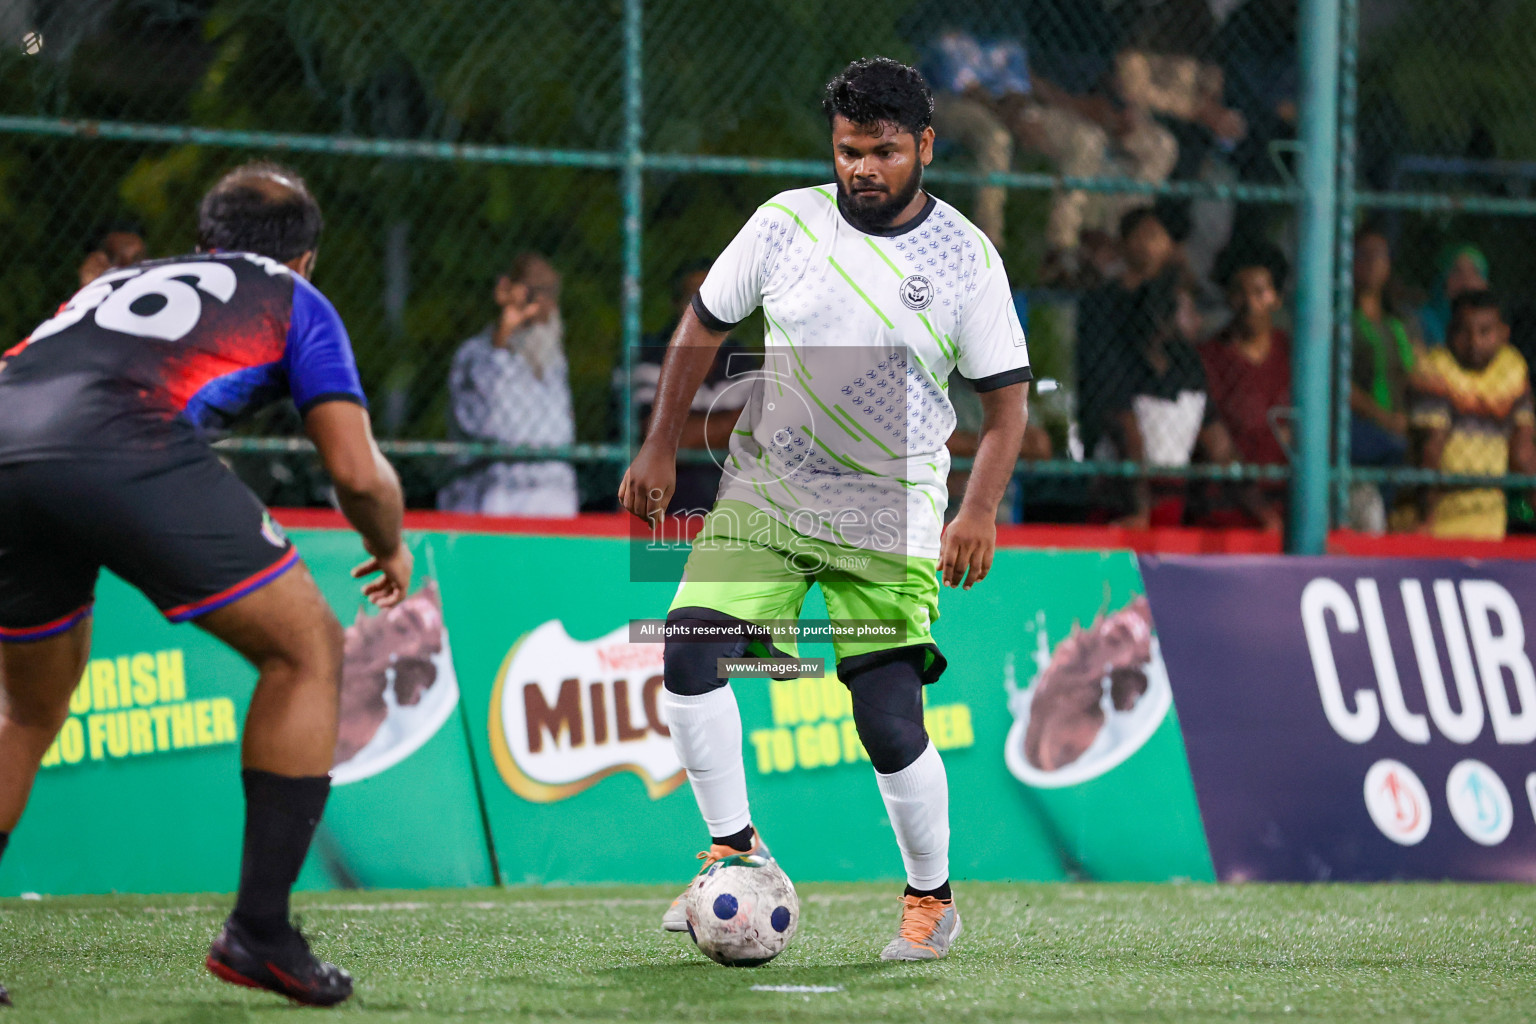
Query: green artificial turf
x=1030, y=952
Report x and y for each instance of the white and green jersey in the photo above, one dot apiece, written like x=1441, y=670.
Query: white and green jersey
x=844, y=436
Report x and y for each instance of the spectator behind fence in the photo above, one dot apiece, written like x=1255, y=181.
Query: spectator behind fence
x=1163, y=70
x=118, y=247
x=1382, y=357
x=1248, y=372
x=1158, y=411
x=1471, y=410
x=1460, y=269
x=509, y=385
x=987, y=97
x=1108, y=330
x=121, y=246
x=1257, y=48
x=716, y=405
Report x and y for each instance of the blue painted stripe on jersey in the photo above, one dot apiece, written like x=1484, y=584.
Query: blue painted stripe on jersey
x=318, y=359
x=224, y=400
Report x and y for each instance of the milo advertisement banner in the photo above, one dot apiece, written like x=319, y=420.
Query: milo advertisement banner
x=1356, y=719
x=576, y=757
x=141, y=790
x=501, y=725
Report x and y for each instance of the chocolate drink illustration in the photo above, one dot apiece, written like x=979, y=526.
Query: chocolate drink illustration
x=403, y=639
x=1067, y=714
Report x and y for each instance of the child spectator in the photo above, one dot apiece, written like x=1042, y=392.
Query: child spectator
x=1248, y=369
x=1471, y=409
x=1248, y=362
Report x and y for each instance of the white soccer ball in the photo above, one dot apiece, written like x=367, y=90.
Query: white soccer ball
x=743, y=911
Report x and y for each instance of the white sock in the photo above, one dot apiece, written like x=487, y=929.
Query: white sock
x=917, y=802
x=706, y=732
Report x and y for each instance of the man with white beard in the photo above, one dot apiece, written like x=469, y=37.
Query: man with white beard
x=509, y=385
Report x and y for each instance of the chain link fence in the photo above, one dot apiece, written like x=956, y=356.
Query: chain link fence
x=1436, y=307
x=518, y=197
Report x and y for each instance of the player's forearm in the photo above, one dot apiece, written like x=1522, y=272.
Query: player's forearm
x=683, y=369
x=375, y=505
x=997, y=451
x=699, y=431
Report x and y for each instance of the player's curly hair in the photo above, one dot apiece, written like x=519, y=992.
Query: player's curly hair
x=260, y=207
x=877, y=90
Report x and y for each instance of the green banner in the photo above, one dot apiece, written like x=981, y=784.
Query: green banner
x=141, y=792
x=574, y=757
x=503, y=709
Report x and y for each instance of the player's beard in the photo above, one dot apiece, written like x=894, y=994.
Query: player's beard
x=874, y=216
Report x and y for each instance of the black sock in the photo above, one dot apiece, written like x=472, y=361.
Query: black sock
x=280, y=818
x=742, y=840
x=941, y=893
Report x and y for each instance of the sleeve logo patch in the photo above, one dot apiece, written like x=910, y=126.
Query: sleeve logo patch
x=916, y=292
x=271, y=532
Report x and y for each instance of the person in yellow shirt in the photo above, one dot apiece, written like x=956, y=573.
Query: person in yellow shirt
x=1471, y=411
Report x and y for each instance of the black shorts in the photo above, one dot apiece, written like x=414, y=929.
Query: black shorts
x=176, y=524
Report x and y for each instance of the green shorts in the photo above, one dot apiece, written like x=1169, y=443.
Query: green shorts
x=747, y=565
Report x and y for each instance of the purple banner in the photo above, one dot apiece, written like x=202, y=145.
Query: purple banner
x=1355, y=719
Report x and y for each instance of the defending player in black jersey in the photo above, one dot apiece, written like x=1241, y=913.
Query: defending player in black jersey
x=103, y=462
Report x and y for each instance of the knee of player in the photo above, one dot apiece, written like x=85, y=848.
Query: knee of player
x=37, y=716
x=315, y=654
x=690, y=668
x=888, y=714
x=892, y=741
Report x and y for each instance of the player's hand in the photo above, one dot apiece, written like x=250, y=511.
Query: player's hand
x=967, y=550
x=647, y=487
x=394, y=581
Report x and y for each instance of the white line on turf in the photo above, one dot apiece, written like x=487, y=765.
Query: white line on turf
x=819, y=989
x=507, y=904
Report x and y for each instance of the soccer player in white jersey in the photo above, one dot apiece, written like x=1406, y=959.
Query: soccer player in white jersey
x=872, y=291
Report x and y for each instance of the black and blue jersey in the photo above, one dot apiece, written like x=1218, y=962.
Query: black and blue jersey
x=167, y=351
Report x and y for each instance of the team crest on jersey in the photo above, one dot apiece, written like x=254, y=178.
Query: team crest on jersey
x=916, y=292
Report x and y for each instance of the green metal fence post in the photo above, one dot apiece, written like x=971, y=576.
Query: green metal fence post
x=634, y=192
x=1344, y=292
x=1319, y=37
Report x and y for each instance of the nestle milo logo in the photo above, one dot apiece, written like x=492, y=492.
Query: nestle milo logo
x=566, y=714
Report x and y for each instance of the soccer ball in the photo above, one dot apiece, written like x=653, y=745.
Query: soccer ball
x=742, y=911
